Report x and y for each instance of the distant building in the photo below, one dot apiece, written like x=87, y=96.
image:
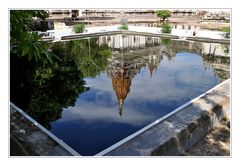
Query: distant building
x=66, y=13
x=217, y=16
x=185, y=13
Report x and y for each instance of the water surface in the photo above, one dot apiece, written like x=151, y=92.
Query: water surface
x=105, y=89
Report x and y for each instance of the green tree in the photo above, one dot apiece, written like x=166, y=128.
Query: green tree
x=163, y=14
x=23, y=40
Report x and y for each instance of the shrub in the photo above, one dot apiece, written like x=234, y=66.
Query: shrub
x=79, y=28
x=166, y=28
x=123, y=26
x=227, y=32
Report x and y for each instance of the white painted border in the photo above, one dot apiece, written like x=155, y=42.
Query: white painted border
x=114, y=146
x=63, y=144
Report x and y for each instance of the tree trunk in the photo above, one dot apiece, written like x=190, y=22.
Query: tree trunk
x=164, y=19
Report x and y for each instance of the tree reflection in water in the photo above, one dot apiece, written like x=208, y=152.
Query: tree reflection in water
x=44, y=90
x=90, y=58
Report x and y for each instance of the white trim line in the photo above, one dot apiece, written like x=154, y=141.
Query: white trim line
x=114, y=146
x=63, y=144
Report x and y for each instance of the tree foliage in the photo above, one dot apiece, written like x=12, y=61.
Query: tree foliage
x=22, y=21
x=23, y=40
x=163, y=14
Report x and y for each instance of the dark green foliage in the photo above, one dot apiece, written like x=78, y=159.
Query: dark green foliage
x=79, y=28
x=163, y=14
x=23, y=40
x=22, y=21
x=166, y=28
x=123, y=27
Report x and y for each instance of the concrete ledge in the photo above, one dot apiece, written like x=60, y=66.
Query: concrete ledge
x=48, y=38
x=28, y=139
x=209, y=40
x=178, y=132
x=125, y=32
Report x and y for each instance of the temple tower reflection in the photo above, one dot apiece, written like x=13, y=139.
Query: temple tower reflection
x=127, y=61
x=121, y=83
x=121, y=71
x=130, y=54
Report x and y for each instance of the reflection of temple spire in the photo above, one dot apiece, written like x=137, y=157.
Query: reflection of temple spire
x=151, y=67
x=153, y=62
x=121, y=85
x=123, y=66
x=121, y=101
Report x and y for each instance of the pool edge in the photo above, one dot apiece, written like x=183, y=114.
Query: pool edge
x=109, y=151
x=50, y=135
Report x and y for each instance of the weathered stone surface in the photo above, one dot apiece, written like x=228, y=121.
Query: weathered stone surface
x=215, y=143
x=26, y=139
x=177, y=133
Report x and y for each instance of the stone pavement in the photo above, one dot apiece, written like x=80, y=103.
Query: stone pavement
x=215, y=143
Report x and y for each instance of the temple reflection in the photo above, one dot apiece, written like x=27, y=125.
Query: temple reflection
x=121, y=83
x=132, y=53
x=127, y=62
x=121, y=70
x=153, y=64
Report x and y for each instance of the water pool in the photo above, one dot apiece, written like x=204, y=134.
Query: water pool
x=105, y=89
